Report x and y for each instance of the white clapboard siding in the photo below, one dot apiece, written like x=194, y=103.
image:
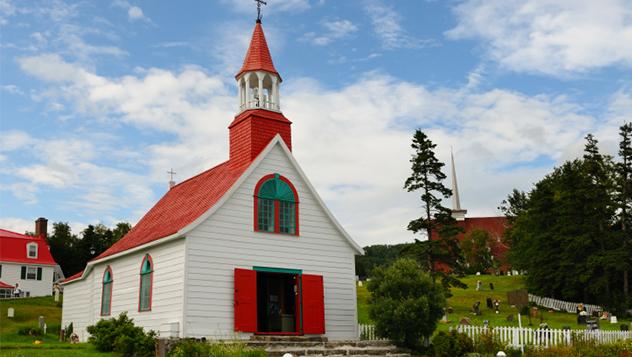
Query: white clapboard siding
x=226, y=241
x=82, y=299
x=11, y=274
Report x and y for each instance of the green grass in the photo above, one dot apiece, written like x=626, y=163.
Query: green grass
x=463, y=299
x=27, y=312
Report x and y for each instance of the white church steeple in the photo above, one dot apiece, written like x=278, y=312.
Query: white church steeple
x=457, y=212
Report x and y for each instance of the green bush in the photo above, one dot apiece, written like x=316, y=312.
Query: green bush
x=488, y=343
x=192, y=348
x=452, y=344
x=120, y=335
x=405, y=303
x=68, y=331
x=30, y=331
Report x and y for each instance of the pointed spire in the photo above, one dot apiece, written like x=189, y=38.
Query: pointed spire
x=258, y=55
x=457, y=212
x=456, y=201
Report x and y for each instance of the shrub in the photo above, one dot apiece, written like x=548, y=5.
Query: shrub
x=68, y=331
x=120, y=335
x=452, y=344
x=30, y=331
x=191, y=348
x=405, y=304
x=488, y=343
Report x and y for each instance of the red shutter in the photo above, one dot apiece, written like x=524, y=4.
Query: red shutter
x=245, y=300
x=313, y=304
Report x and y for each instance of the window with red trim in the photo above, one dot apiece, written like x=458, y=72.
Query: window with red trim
x=146, y=282
x=276, y=205
x=106, y=292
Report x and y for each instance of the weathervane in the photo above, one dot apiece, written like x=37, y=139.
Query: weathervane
x=259, y=2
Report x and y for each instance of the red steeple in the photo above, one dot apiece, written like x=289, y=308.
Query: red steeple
x=260, y=118
x=258, y=55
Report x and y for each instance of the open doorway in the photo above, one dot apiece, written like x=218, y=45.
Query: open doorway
x=277, y=303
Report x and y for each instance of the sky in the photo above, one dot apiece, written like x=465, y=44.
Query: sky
x=99, y=99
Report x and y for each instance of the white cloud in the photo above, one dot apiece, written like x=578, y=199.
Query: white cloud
x=549, y=36
x=135, y=13
x=356, y=152
x=387, y=27
x=18, y=225
x=334, y=30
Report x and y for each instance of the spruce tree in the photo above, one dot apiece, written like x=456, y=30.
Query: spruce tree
x=624, y=198
x=427, y=177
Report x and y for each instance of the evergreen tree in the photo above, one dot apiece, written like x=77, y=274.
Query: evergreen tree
x=121, y=229
x=427, y=177
x=62, y=245
x=624, y=199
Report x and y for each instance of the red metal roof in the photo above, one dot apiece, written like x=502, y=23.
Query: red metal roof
x=13, y=249
x=4, y=285
x=73, y=277
x=180, y=206
x=258, y=55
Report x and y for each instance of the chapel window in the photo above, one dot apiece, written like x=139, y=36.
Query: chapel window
x=146, y=282
x=106, y=292
x=276, y=205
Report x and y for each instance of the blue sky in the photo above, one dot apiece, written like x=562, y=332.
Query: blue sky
x=99, y=99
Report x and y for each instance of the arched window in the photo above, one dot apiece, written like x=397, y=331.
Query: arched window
x=146, y=282
x=106, y=292
x=276, y=205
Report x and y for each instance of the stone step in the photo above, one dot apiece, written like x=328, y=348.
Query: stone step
x=274, y=338
x=279, y=351
x=330, y=344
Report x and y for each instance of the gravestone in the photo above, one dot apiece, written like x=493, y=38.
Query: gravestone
x=465, y=321
x=41, y=322
x=10, y=313
x=613, y=320
x=491, y=286
x=490, y=304
x=510, y=318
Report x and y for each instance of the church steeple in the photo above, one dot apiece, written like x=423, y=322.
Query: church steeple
x=457, y=212
x=258, y=80
x=259, y=118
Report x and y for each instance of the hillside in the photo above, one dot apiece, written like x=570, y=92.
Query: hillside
x=27, y=312
x=463, y=299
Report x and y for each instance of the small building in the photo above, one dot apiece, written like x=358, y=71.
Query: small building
x=246, y=247
x=26, y=263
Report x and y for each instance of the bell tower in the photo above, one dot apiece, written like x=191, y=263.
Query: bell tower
x=259, y=117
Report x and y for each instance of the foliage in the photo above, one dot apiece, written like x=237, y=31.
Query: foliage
x=477, y=251
x=72, y=253
x=488, y=343
x=564, y=232
x=623, y=199
x=405, y=304
x=584, y=349
x=120, y=335
x=30, y=331
x=68, y=331
x=192, y=348
x=451, y=344
x=427, y=177
x=377, y=255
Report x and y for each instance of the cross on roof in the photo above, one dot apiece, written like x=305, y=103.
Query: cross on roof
x=259, y=2
x=171, y=173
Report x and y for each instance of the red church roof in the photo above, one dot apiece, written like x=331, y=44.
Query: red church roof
x=258, y=55
x=13, y=249
x=4, y=285
x=180, y=206
x=73, y=277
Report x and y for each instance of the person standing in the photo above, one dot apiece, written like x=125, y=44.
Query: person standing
x=17, y=291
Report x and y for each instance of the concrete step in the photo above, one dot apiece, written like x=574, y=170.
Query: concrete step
x=274, y=338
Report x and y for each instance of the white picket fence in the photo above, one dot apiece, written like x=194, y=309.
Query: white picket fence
x=519, y=337
x=367, y=332
x=560, y=305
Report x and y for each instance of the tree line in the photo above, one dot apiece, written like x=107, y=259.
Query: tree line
x=571, y=232
x=73, y=252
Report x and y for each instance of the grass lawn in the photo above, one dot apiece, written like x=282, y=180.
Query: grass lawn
x=27, y=312
x=463, y=299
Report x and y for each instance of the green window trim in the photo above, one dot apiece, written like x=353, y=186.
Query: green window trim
x=146, y=284
x=276, y=189
x=278, y=270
